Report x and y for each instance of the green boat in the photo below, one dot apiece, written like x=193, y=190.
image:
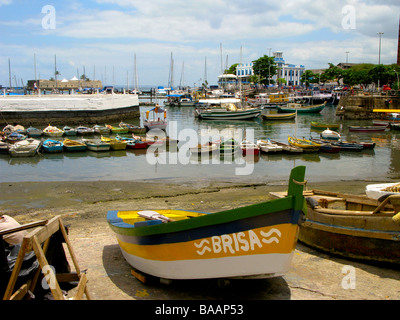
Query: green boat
x=324, y=126
x=299, y=108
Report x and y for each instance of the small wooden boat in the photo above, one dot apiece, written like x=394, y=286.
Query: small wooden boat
x=34, y=132
x=299, y=108
x=69, y=131
x=117, y=129
x=278, y=116
x=249, y=148
x=132, y=128
x=8, y=129
x=269, y=147
x=367, y=128
x=206, y=148
x=326, y=146
x=228, y=147
x=26, y=148
x=98, y=129
x=114, y=143
x=257, y=241
x=324, y=126
x=14, y=137
x=52, y=146
x=52, y=131
x=287, y=148
x=352, y=226
x=306, y=145
x=130, y=142
x=96, y=145
x=73, y=145
x=346, y=146
x=330, y=135
x=84, y=131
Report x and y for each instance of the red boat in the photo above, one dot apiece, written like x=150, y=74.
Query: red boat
x=367, y=128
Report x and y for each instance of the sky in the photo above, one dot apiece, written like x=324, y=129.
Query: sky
x=201, y=37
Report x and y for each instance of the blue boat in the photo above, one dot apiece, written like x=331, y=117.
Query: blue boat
x=52, y=146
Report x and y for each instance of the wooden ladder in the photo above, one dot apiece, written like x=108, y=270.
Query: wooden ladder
x=33, y=242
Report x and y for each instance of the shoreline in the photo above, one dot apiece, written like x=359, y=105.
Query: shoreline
x=83, y=207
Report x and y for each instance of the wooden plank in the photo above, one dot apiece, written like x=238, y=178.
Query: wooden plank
x=81, y=287
x=20, y=293
x=24, y=227
x=138, y=275
x=44, y=232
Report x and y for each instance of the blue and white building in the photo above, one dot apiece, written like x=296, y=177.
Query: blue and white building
x=290, y=72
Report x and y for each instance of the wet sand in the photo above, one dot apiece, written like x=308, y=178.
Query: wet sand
x=83, y=206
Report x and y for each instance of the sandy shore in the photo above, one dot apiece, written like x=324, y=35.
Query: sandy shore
x=84, y=205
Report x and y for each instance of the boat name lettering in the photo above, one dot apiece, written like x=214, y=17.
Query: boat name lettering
x=235, y=242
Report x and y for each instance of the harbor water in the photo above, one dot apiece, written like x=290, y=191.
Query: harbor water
x=177, y=164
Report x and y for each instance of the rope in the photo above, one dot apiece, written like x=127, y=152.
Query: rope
x=301, y=183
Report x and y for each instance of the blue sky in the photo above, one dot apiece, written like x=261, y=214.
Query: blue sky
x=102, y=36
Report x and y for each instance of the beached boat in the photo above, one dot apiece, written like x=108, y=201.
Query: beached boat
x=324, y=125
x=379, y=190
x=352, y=226
x=206, y=148
x=52, y=131
x=249, y=148
x=330, y=135
x=278, y=116
x=117, y=130
x=269, y=147
x=114, y=143
x=156, y=118
x=98, y=129
x=26, y=148
x=306, y=145
x=96, y=145
x=367, y=128
x=52, y=146
x=132, y=128
x=84, y=131
x=34, y=132
x=300, y=108
x=73, y=145
x=257, y=241
x=69, y=131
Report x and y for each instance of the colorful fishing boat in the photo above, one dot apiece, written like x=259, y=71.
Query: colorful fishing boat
x=98, y=129
x=52, y=131
x=353, y=226
x=114, y=143
x=114, y=129
x=249, y=148
x=73, y=145
x=300, y=108
x=306, y=145
x=287, y=148
x=326, y=146
x=52, y=146
x=34, y=132
x=278, y=116
x=132, y=128
x=14, y=137
x=257, y=241
x=25, y=148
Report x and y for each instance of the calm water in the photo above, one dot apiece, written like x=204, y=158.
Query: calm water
x=380, y=164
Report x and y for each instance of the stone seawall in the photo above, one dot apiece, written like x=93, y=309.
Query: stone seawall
x=360, y=107
x=65, y=109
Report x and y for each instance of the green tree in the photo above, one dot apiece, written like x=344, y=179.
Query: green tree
x=265, y=67
x=231, y=69
x=308, y=77
x=334, y=73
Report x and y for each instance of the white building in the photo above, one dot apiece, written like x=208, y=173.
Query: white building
x=290, y=72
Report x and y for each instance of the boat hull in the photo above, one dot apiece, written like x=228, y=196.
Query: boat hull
x=229, y=115
x=308, y=109
x=253, y=241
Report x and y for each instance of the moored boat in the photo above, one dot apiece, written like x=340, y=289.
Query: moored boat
x=52, y=131
x=98, y=129
x=367, y=128
x=69, y=131
x=73, y=145
x=324, y=125
x=96, y=145
x=52, y=146
x=269, y=147
x=330, y=135
x=114, y=143
x=300, y=108
x=14, y=137
x=25, y=148
x=156, y=118
x=306, y=145
x=353, y=226
x=34, y=132
x=257, y=241
x=84, y=131
x=249, y=148
x=287, y=148
x=278, y=116
x=326, y=146
x=379, y=190
x=132, y=128
x=114, y=129
x=206, y=148
x=228, y=147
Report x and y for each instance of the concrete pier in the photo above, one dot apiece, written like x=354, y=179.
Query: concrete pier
x=71, y=109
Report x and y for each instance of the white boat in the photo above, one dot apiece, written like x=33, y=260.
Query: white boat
x=155, y=118
x=96, y=145
x=25, y=148
x=376, y=191
x=330, y=135
x=268, y=147
x=206, y=148
x=52, y=131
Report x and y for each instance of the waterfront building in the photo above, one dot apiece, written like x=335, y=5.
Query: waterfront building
x=61, y=85
x=290, y=72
